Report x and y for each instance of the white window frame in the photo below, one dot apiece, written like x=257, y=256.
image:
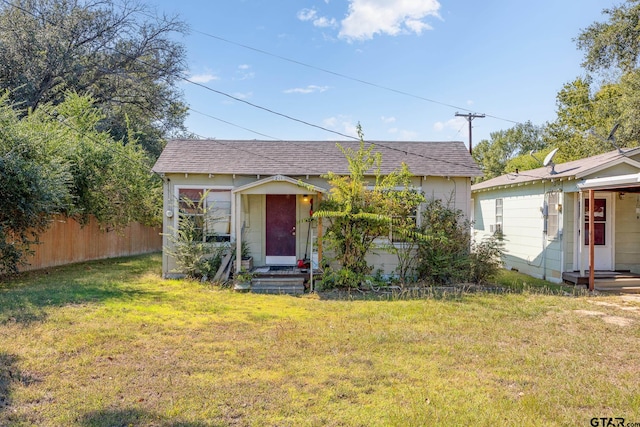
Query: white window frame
x=499, y=215
x=552, y=217
x=225, y=237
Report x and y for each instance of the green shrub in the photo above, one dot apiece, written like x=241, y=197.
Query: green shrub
x=443, y=257
x=341, y=278
x=486, y=258
x=448, y=254
x=194, y=257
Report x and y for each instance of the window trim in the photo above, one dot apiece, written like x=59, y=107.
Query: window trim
x=176, y=201
x=499, y=218
x=557, y=210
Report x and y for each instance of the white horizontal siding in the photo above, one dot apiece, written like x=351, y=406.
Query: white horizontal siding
x=526, y=246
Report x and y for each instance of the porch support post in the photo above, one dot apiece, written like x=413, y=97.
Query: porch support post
x=319, y=236
x=238, y=215
x=591, y=241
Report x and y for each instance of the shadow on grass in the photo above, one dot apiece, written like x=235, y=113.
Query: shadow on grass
x=9, y=376
x=133, y=417
x=25, y=298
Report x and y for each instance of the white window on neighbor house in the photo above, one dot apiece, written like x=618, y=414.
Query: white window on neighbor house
x=498, y=223
x=210, y=212
x=552, y=225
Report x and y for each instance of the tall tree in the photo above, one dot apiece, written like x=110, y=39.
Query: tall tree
x=360, y=209
x=128, y=62
x=33, y=187
x=55, y=161
x=615, y=44
x=612, y=51
x=585, y=118
x=493, y=155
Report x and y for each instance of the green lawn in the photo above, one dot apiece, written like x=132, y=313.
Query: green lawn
x=112, y=344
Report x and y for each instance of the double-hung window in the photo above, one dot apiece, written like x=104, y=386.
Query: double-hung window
x=209, y=210
x=499, y=218
x=553, y=216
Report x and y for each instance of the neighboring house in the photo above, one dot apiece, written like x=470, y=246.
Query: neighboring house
x=263, y=191
x=544, y=216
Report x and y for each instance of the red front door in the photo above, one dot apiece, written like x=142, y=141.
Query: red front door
x=281, y=228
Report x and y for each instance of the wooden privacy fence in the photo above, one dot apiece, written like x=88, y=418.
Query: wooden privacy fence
x=67, y=242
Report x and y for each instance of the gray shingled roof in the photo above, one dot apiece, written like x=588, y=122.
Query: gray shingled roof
x=573, y=169
x=310, y=157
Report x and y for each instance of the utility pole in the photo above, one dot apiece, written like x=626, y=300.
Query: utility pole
x=470, y=117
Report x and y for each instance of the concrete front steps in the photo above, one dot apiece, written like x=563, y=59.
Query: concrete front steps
x=278, y=285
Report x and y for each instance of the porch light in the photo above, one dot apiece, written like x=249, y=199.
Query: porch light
x=305, y=198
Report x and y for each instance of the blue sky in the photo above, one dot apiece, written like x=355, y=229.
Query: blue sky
x=421, y=60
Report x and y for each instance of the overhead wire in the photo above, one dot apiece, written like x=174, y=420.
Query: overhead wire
x=347, y=77
x=177, y=76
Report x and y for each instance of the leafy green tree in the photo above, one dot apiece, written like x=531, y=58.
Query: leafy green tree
x=405, y=236
x=33, y=187
x=493, y=155
x=585, y=118
x=129, y=63
x=358, y=210
x=614, y=44
x=444, y=255
x=530, y=161
x=54, y=161
x=628, y=134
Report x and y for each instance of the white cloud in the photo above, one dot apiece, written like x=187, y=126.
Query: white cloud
x=318, y=21
x=203, y=78
x=244, y=73
x=469, y=102
x=369, y=17
x=387, y=119
x=457, y=124
x=308, y=89
x=324, y=22
x=307, y=14
x=342, y=124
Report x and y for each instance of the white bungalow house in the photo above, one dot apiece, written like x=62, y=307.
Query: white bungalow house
x=545, y=218
x=262, y=191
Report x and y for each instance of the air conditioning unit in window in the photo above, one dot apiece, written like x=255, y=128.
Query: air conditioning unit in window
x=495, y=228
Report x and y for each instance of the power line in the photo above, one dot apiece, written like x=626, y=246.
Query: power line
x=470, y=117
x=327, y=71
x=344, y=76
x=177, y=76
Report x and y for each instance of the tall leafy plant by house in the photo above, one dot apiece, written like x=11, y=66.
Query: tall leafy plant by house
x=405, y=235
x=448, y=253
x=444, y=255
x=357, y=210
x=194, y=256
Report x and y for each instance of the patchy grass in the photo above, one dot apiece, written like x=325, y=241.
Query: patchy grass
x=112, y=344
x=515, y=281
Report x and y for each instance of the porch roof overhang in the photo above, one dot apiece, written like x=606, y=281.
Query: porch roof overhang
x=279, y=184
x=622, y=183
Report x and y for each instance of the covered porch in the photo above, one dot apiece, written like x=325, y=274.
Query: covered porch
x=606, y=281
x=588, y=273
x=273, y=216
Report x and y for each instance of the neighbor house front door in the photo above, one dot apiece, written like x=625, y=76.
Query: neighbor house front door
x=281, y=229
x=603, y=212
